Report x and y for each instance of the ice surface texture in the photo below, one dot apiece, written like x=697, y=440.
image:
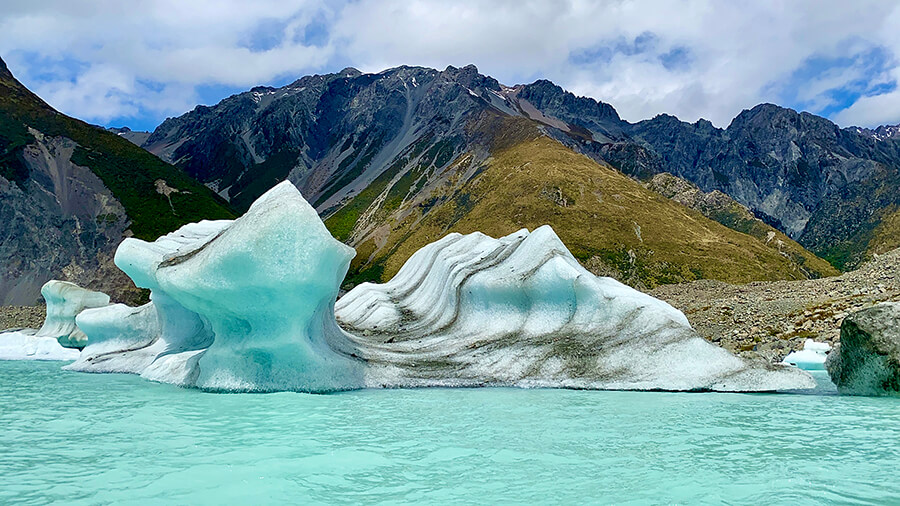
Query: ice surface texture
x=24, y=345
x=249, y=305
x=471, y=310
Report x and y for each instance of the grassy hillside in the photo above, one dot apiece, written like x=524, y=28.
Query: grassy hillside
x=128, y=171
x=611, y=223
x=721, y=208
x=886, y=236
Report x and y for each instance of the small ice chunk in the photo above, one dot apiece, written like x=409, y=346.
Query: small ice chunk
x=64, y=301
x=810, y=358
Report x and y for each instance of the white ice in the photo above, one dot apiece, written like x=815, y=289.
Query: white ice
x=64, y=301
x=811, y=357
x=59, y=333
x=471, y=310
x=24, y=345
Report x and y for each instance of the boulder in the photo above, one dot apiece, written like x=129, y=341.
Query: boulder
x=867, y=362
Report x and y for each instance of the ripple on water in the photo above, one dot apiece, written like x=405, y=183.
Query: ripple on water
x=83, y=438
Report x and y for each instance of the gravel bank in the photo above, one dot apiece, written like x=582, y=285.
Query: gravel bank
x=770, y=319
x=13, y=317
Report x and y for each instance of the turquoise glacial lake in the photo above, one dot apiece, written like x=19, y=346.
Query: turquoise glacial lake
x=76, y=438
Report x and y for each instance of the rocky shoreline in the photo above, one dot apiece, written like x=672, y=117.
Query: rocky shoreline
x=17, y=317
x=771, y=319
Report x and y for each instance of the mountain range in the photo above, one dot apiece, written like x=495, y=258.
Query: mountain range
x=397, y=159
x=833, y=190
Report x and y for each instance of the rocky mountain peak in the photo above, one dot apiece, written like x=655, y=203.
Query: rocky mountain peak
x=4, y=72
x=566, y=106
x=350, y=72
x=761, y=114
x=469, y=77
x=883, y=132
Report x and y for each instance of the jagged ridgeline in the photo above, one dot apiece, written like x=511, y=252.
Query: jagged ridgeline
x=835, y=191
x=395, y=160
x=70, y=191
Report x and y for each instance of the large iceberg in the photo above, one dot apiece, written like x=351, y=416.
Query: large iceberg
x=249, y=305
x=244, y=305
x=470, y=310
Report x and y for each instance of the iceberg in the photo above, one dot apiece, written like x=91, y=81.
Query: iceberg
x=471, y=310
x=811, y=358
x=250, y=305
x=64, y=302
x=59, y=334
x=243, y=305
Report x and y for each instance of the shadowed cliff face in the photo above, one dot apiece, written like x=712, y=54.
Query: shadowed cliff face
x=69, y=193
x=827, y=187
x=61, y=221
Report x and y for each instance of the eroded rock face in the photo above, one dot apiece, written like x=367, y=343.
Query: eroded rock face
x=867, y=362
x=61, y=223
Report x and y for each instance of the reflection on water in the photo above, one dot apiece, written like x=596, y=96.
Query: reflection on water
x=113, y=438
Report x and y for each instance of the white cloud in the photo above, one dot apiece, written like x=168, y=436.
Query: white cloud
x=736, y=54
x=737, y=50
x=112, y=47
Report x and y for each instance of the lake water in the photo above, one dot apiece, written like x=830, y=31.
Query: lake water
x=80, y=438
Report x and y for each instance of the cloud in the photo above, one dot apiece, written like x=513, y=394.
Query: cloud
x=112, y=60
x=118, y=60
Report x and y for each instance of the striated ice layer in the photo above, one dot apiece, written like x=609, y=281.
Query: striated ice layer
x=244, y=305
x=64, y=301
x=470, y=310
x=249, y=305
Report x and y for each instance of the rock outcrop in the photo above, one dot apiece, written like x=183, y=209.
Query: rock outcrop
x=70, y=192
x=867, y=362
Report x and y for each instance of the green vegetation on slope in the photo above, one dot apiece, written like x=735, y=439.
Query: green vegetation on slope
x=128, y=171
x=886, y=236
x=611, y=223
x=720, y=207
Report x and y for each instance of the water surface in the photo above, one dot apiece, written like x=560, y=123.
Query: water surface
x=81, y=438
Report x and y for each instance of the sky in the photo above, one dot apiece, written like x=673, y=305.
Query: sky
x=135, y=63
